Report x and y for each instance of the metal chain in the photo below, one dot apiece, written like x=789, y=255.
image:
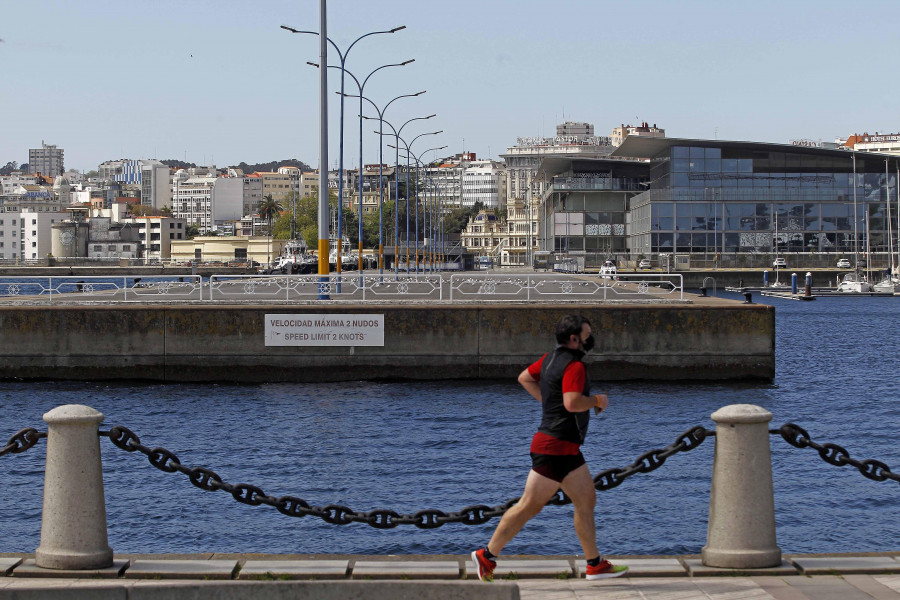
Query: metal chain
x=835, y=455
x=22, y=440
x=652, y=460
x=335, y=514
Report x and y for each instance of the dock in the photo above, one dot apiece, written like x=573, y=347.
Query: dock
x=786, y=293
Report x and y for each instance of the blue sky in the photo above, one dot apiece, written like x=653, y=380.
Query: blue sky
x=219, y=82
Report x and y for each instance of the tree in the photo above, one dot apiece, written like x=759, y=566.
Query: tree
x=191, y=231
x=455, y=221
x=269, y=209
x=9, y=168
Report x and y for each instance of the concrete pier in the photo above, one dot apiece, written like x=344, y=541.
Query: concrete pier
x=706, y=339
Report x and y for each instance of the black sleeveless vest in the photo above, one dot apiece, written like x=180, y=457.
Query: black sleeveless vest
x=556, y=420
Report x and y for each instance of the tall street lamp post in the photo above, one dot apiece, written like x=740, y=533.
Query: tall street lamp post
x=381, y=168
x=396, y=147
x=343, y=59
x=418, y=162
x=361, y=87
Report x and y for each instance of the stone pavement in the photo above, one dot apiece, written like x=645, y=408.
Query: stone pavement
x=238, y=576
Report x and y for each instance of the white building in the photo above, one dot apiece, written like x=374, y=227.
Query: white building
x=574, y=140
x=885, y=143
x=208, y=201
x=157, y=234
x=10, y=182
x=27, y=235
x=482, y=181
x=192, y=200
x=36, y=198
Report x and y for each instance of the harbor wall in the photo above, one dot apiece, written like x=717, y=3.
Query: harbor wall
x=713, y=340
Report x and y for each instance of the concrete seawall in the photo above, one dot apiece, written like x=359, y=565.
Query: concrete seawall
x=708, y=339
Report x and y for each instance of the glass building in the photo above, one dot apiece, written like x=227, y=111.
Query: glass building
x=714, y=197
x=584, y=209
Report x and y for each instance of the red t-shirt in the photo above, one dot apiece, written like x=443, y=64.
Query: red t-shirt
x=573, y=381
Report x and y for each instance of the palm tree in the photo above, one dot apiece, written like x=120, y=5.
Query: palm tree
x=268, y=209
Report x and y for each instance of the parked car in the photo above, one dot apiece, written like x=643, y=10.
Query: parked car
x=779, y=262
x=644, y=264
x=843, y=263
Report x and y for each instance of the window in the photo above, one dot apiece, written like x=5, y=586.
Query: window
x=98, y=248
x=126, y=248
x=111, y=247
x=34, y=221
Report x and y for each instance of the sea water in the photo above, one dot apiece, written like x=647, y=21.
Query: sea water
x=407, y=446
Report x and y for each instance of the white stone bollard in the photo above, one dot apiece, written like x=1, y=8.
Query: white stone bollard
x=741, y=532
x=73, y=524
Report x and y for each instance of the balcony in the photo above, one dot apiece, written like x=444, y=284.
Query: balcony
x=596, y=183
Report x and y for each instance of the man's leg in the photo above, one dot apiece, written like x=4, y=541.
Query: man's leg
x=579, y=486
x=538, y=490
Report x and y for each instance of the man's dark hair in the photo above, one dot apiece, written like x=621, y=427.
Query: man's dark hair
x=569, y=325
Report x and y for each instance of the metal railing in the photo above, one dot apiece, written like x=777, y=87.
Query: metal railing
x=70, y=288
x=498, y=287
x=345, y=287
x=336, y=287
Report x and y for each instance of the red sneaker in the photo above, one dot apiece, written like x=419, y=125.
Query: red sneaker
x=605, y=570
x=483, y=566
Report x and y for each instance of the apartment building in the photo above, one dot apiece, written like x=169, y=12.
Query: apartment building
x=27, y=235
x=47, y=160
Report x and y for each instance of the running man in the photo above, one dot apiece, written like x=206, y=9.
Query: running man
x=559, y=381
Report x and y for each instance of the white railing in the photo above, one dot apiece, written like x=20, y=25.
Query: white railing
x=493, y=287
x=389, y=286
x=70, y=288
x=498, y=287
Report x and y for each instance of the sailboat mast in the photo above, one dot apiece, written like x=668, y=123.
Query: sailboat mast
x=887, y=202
x=855, y=220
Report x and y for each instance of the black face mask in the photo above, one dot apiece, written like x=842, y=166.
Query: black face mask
x=588, y=344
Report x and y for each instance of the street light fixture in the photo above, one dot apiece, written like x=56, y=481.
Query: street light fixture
x=425, y=224
x=397, y=191
x=343, y=57
x=418, y=162
x=380, y=166
x=361, y=87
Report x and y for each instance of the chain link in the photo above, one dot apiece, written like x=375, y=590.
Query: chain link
x=292, y=506
x=652, y=460
x=835, y=455
x=22, y=440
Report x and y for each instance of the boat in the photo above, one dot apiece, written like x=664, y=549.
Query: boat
x=889, y=285
x=349, y=259
x=294, y=259
x=891, y=282
x=855, y=284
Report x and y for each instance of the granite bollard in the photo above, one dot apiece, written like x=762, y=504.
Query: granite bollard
x=73, y=523
x=741, y=533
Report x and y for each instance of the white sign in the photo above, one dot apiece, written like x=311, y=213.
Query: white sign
x=324, y=330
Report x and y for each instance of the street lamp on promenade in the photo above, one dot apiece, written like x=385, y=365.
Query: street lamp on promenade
x=418, y=162
x=427, y=210
x=343, y=58
x=361, y=87
x=380, y=166
x=397, y=191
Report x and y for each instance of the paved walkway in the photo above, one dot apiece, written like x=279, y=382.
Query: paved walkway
x=800, y=577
